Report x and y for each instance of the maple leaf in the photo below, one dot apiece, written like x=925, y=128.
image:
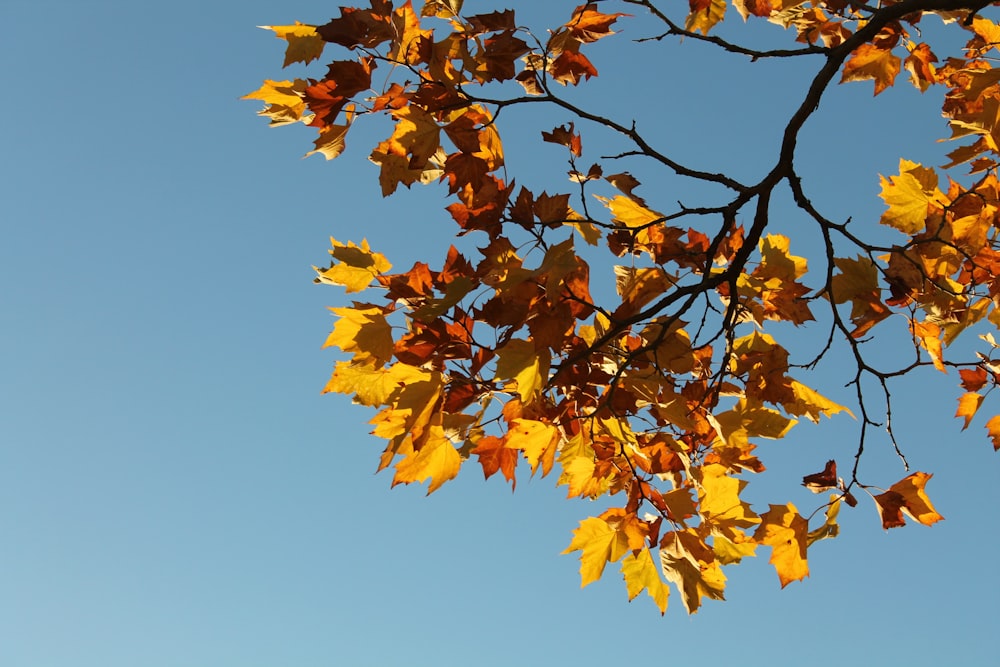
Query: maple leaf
x=528, y=367
x=785, y=531
x=993, y=427
x=536, y=440
x=495, y=456
x=363, y=332
x=437, y=460
x=907, y=496
x=565, y=136
x=822, y=481
x=354, y=266
x=968, y=405
x=692, y=567
x=908, y=195
x=871, y=62
x=704, y=15
x=304, y=43
x=598, y=543
x=641, y=573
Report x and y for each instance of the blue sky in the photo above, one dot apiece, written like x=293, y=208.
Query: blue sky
x=175, y=491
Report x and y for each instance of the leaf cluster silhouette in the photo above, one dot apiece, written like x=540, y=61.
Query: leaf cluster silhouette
x=500, y=357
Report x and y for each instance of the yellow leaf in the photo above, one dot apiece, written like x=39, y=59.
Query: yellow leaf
x=437, y=460
x=908, y=195
x=993, y=428
x=732, y=551
x=282, y=93
x=330, y=142
x=598, y=544
x=630, y=213
x=785, y=531
x=907, y=496
x=691, y=566
x=304, y=44
x=534, y=438
x=527, y=367
x=372, y=385
x=968, y=405
x=870, y=62
x=810, y=404
x=830, y=527
x=776, y=260
x=355, y=266
x=363, y=332
x=704, y=15
x=720, y=500
x=640, y=574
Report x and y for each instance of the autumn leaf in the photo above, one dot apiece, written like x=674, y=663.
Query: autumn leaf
x=691, y=566
x=527, y=367
x=437, y=460
x=598, y=543
x=908, y=195
x=304, y=43
x=968, y=405
x=354, y=267
x=908, y=497
x=641, y=574
x=535, y=439
x=871, y=62
x=785, y=531
x=822, y=481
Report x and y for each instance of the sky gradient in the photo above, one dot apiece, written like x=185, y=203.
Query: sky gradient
x=174, y=489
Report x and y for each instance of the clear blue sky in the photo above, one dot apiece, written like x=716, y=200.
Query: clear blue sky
x=174, y=490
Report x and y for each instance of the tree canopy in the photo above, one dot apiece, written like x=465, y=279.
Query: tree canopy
x=653, y=393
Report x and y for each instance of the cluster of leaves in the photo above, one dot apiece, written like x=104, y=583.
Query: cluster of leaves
x=659, y=398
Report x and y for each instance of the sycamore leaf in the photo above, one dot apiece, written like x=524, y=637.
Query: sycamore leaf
x=630, y=213
x=968, y=405
x=363, y=332
x=908, y=196
x=704, y=15
x=692, y=567
x=907, y=496
x=993, y=428
x=355, y=266
x=437, y=460
x=598, y=543
x=830, y=527
x=304, y=43
x=785, y=531
x=720, y=500
x=641, y=574
x=822, y=481
x=871, y=62
x=810, y=404
x=527, y=367
x=535, y=439
x=372, y=385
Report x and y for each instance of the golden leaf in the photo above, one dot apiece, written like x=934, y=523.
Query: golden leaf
x=437, y=460
x=785, y=531
x=355, y=268
x=691, y=566
x=641, y=574
x=907, y=496
x=527, y=367
x=598, y=544
x=871, y=62
x=534, y=438
x=363, y=332
x=908, y=196
x=304, y=44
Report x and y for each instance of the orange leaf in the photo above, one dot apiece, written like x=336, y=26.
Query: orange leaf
x=908, y=497
x=968, y=405
x=870, y=62
x=785, y=531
